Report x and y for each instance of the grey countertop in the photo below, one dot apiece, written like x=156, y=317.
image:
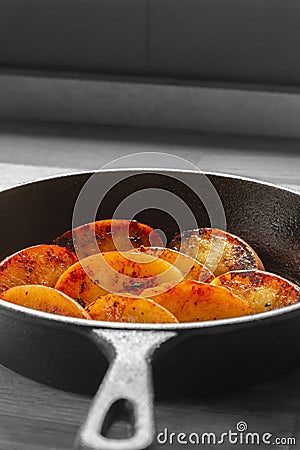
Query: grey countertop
x=58, y=148
x=34, y=416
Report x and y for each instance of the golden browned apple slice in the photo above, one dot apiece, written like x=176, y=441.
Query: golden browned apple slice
x=115, y=272
x=192, y=301
x=44, y=298
x=119, y=308
x=40, y=264
x=218, y=250
x=189, y=267
x=108, y=235
x=263, y=290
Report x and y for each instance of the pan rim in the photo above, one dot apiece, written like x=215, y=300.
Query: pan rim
x=27, y=313
x=149, y=170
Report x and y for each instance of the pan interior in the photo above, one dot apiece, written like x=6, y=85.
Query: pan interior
x=265, y=216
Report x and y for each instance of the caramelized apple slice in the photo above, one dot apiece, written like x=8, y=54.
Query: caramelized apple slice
x=108, y=235
x=219, y=251
x=44, y=298
x=190, y=268
x=41, y=264
x=263, y=290
x=115, y=272
x=119, y=308
x=192, y=301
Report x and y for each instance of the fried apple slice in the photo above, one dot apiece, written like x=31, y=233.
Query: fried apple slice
x=189, y=267
x=263, y=290
x=108, y=235
x=218, y=250
x=44, y=298
x=119, y=308
x=40, y=264
x=115, y=272
x=192, y=301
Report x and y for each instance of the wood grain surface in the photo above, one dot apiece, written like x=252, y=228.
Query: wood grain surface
x=37, y=417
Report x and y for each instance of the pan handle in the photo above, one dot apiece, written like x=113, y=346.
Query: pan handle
x=127, y=386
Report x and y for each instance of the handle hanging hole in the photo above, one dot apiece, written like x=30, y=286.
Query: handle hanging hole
x=119, y=422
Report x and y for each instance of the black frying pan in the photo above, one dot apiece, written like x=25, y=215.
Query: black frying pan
x=187, y=358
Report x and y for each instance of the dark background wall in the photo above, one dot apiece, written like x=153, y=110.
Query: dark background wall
x=252, y=41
